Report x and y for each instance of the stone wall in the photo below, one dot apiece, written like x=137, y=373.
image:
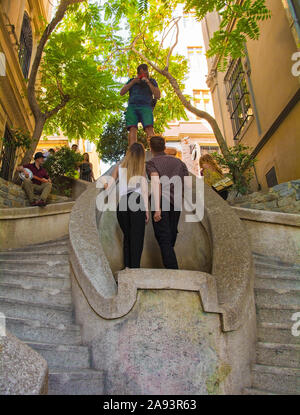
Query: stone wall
x=12, y=195
x=285, y=197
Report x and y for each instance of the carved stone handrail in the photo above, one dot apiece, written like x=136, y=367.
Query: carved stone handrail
x=224, y=291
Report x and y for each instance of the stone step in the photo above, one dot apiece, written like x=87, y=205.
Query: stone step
x=45, y=245
x=62, y=239
x=36, y=311
x=251, y=391
x=36, y=281
x=279, y=296
x=22, y=291
x=279, y=380
x=75, y=382
x=275, y=313
x=53, y=265
x=29, y=252
x=276, y=333
x=265, y=281
x=36, y=273
x=41, y=256
x=38, y=331
x=277, y=271
x=277, y=354
x=63, y=356
x=272, y=260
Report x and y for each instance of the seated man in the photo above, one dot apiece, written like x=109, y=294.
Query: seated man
x=141, y=89
x=40, y=183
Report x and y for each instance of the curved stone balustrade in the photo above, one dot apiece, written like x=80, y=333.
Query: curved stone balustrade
x=228, y=290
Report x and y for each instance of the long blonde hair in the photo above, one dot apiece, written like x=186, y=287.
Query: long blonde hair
x=207, y=159
x=134, y=161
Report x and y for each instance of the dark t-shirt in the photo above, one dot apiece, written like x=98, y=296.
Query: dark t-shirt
x=41, y=172
x=169, y=166
x=140, y=93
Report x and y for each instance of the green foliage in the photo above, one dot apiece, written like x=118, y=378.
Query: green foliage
x=226, y=43
x=239, y=163
x=149, y=29
x=70, y=67
x=20, y=139
x=63, y=163
x=113, y=142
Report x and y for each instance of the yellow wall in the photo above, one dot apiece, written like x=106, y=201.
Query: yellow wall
x=14, y=107
x=273, y=88
x=282, y=151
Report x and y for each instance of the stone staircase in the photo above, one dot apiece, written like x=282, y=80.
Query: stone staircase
x=277, y=294
x=35, y=296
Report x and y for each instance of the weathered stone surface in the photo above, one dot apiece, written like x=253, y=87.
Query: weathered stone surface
x=280, y=198
x=22, y=370
x=166, y=345
x=273, y=233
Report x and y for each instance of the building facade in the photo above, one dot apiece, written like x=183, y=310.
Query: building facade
x=84, y=146
x=256, y=101
x=191, y=45
x=20, y=24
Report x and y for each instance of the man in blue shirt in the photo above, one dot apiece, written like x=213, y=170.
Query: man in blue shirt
x=141, y=89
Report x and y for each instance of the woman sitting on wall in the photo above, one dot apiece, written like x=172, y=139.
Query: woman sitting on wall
x=212, y=173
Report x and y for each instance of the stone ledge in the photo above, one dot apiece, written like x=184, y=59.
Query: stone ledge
x=31, y=212
x=256, y=215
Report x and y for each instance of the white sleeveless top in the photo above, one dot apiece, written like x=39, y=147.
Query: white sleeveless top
x=123, y=185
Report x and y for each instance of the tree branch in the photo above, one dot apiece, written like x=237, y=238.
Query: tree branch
x=187, y=104
x=62, y=104
x=174, y=45
x=61, y=10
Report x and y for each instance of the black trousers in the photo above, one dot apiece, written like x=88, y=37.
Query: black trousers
x=166, y=233
x=133, y=228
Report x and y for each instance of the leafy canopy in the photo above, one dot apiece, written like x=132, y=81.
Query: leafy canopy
x=113, y=141
x=70, y=68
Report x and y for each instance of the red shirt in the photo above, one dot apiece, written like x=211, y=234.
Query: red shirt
x=41, y=172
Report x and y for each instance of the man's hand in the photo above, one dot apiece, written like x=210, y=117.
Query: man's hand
x=43, y=180
x=147, y=216
x=157, y=216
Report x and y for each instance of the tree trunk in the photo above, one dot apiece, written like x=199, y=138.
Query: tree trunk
x=38, y=129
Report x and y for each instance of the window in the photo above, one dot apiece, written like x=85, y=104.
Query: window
x=188, y=19
x=194, y=57
x=25, y=45
x=238, y=98
x=209, y=149
x=271, y=177
x=202, y=101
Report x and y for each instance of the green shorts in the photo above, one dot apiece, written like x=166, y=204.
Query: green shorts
x=138, y=113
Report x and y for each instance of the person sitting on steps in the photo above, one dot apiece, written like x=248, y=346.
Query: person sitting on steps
x=40, y=183
x=141, y=89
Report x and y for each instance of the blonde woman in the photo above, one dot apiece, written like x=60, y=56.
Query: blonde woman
x=212, y=173
x=132, y=211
